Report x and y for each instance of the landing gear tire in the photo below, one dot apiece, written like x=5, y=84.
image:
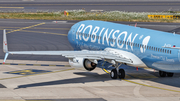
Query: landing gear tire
x=121, y=74
x=170, y=74
x=113, y=74
x=162, y=74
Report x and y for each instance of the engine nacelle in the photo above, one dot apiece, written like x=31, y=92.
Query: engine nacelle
x=81, y=62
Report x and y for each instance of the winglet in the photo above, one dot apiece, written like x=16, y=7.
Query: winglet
x=5, y=47
x=6, y=55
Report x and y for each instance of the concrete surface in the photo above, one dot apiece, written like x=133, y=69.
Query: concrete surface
x=66, y=83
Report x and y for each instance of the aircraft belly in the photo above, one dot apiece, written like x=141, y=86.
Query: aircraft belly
x=163, y=65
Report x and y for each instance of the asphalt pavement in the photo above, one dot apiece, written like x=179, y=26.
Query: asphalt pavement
x=46, y=35
x=54, y=6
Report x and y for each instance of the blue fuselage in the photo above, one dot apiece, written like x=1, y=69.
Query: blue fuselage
x=146, y=44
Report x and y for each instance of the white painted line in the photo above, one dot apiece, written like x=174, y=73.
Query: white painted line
x=59, y=21
x=93, y=10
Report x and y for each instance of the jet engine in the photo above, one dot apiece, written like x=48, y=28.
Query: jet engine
x=81, y=62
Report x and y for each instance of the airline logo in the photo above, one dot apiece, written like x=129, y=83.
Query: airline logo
x=111, y=37
x=5, y=42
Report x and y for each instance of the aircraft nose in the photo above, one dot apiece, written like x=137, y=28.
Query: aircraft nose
x=71, y=36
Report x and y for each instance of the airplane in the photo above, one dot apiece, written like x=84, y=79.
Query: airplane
x=108, y=45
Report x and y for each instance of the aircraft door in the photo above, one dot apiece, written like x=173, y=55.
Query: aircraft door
x=179, y=55
x=74, y=32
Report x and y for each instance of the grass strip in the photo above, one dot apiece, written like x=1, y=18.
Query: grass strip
x=83, y=15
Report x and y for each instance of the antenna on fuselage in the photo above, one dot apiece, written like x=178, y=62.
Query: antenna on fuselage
x=174, y=33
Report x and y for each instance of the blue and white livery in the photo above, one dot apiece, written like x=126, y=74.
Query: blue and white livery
x=108, y=45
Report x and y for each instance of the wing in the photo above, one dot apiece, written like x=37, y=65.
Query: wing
x=109, y=54
x=91, y=55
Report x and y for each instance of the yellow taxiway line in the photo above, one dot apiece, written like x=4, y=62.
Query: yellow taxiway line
x=44, y=32
x=26, y=27
x=38, y=28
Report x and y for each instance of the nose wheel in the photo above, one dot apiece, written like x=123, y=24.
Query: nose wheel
x=114, y=74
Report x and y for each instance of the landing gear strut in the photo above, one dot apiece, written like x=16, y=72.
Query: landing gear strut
x=117, y=73
x=163, y=74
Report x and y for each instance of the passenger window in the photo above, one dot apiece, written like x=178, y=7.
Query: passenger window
x=163, y=50
x=167, y=51
x=170, y=52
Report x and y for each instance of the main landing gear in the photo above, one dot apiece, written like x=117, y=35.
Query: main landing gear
x=163, y=74
x=117, y=73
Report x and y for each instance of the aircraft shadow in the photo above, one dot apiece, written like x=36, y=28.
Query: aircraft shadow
x=89, y=77
x=95, y=77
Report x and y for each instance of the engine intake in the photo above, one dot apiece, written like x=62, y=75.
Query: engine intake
x=88, y=65
x=81, y=62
